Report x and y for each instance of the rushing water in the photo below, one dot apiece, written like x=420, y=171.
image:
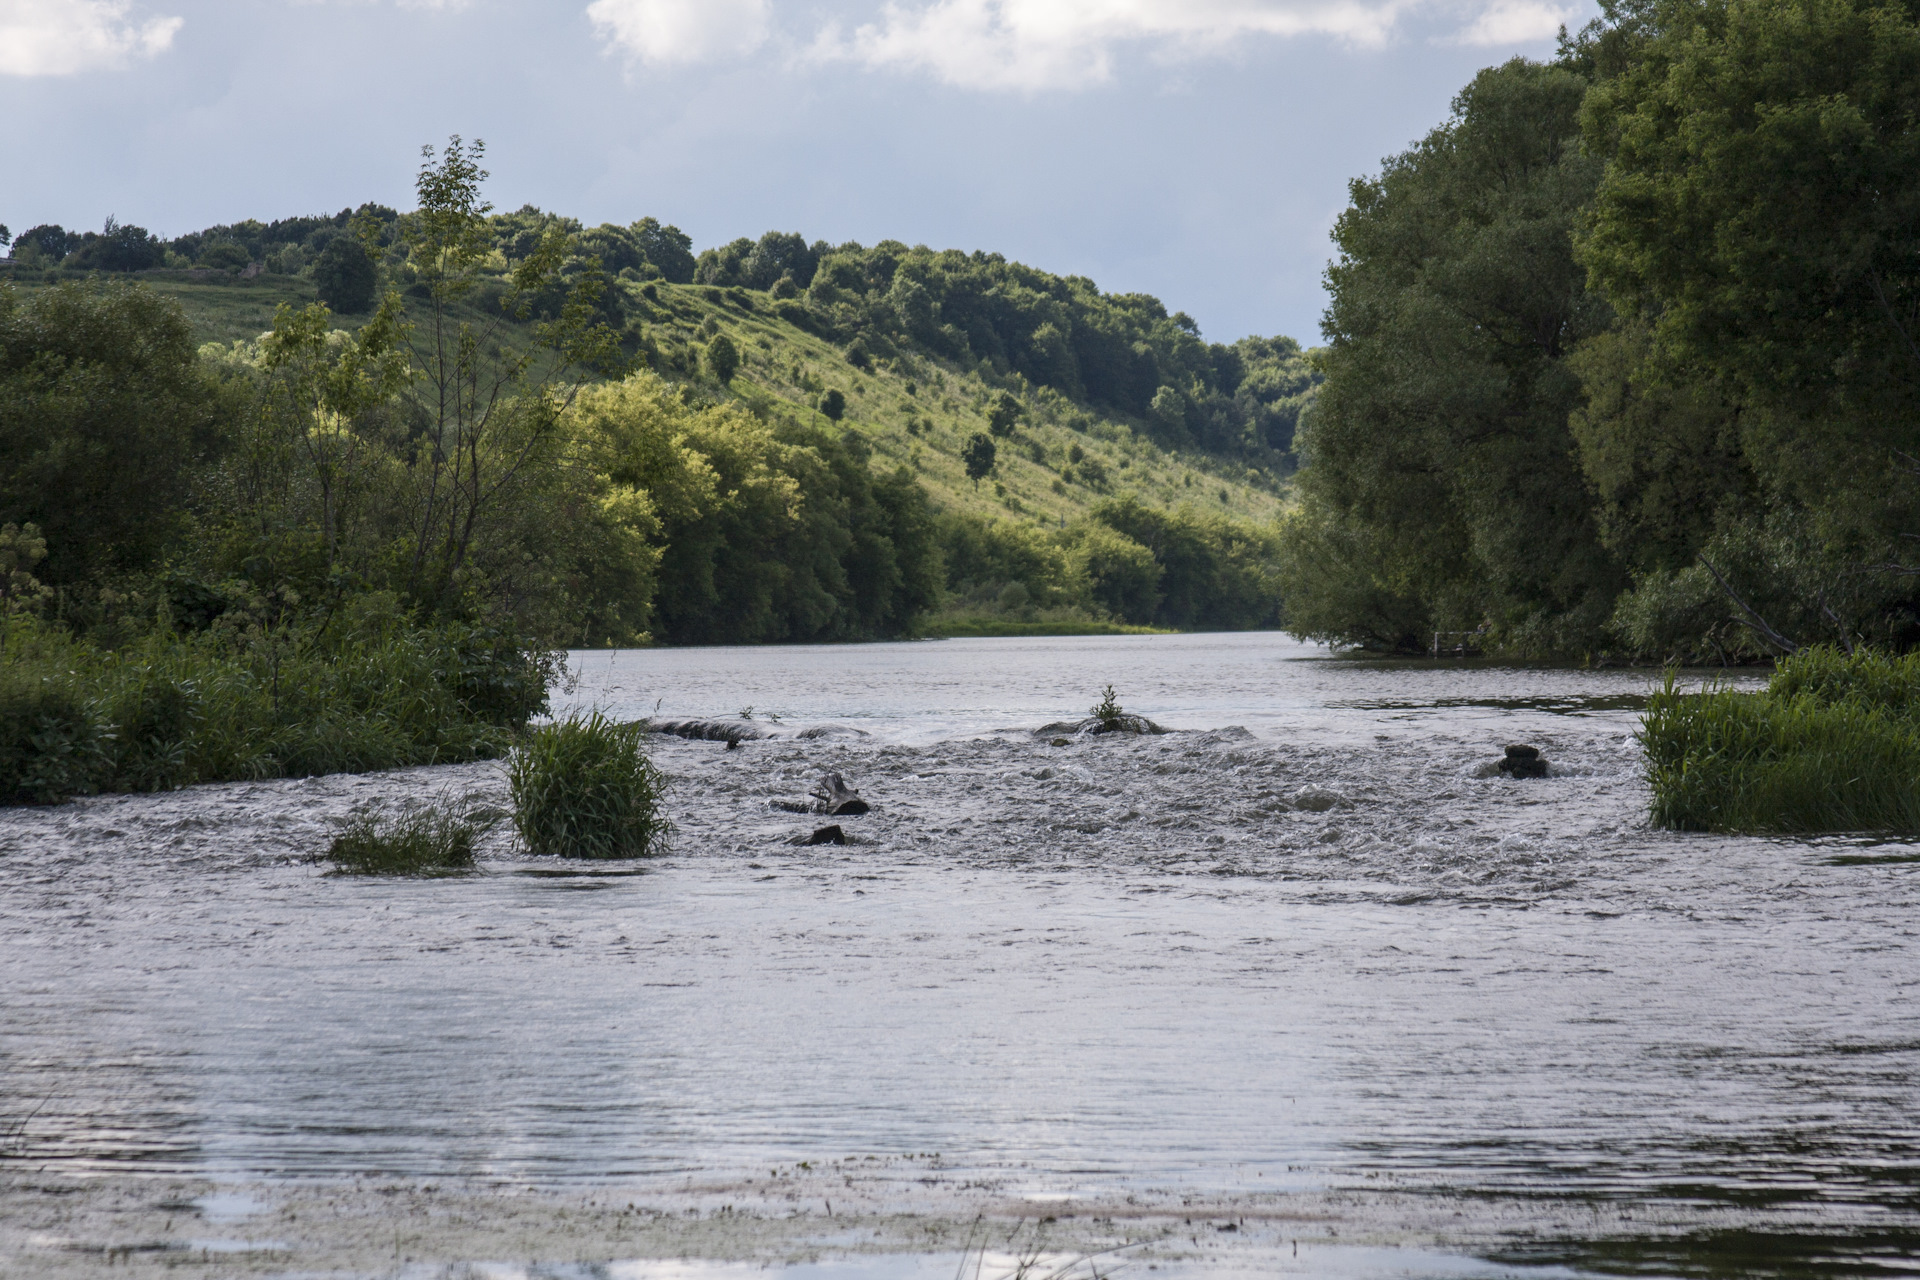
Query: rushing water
x=1121, y=962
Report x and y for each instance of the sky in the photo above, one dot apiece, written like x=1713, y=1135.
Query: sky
x=1198, y=150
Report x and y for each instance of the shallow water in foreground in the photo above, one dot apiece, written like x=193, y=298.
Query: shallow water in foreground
x=1082, y=972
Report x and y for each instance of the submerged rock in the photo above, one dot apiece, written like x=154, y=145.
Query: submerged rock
x=830, y=731
x=1319, y=800
x=731, y=732
x=1128, y=723
x=1523, y=762
x=825, y=835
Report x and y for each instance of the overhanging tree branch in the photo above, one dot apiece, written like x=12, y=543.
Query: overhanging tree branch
x=1753, y=619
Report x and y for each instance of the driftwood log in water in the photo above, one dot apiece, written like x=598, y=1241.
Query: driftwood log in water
x=837, y=799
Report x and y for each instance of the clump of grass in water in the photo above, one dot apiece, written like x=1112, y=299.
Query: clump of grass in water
x=1107, y=711
x=583, y=787
x=1832, y=744
x=426, y=842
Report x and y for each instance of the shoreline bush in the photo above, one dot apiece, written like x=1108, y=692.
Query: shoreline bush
x=368, y=690
x=584, y=787
x=1831, y=745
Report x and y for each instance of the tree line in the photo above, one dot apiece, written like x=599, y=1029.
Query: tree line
x=1622, y=358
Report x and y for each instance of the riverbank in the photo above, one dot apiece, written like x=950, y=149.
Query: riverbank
x=975, y=628
x=860, y=1218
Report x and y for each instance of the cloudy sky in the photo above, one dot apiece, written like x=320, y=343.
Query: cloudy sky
x=1195, y=149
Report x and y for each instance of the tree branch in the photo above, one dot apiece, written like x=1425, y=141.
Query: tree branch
x=1754, y=620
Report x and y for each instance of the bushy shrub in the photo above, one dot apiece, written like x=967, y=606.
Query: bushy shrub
x=583, y=787
x=50, y=742
x=370, y=690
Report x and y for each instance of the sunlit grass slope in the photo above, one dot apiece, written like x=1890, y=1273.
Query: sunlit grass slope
x=914, y=411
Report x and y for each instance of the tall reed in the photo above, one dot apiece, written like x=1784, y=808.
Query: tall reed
x=584, y=787
x=433, y=841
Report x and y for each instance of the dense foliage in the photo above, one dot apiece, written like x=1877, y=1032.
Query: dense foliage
x=1623, y=356
x=1179, y=569
x=1833, y=744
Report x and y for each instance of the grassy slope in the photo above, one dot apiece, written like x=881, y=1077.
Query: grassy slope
x=879, y=406
x=952, y=399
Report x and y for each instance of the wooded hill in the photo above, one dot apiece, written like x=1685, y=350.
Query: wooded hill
x=1111, y=392
x=772, y=441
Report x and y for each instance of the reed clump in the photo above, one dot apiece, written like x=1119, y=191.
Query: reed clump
x=434, y=841
x=584, y=787
x=1831, y=745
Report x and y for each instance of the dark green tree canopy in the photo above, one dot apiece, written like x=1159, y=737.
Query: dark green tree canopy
x=723, y=359
x=1440, y=439
x=117, y=248
x=1761, y=214
x=1003, y=414
x=978, y=457
x=105, y=414
x=345, y=276
x=49, y=240
x=834, y=404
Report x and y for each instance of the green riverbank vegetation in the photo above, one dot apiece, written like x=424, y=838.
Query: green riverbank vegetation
x=1622, y=357
x=1833, y=744
x=1623, y=364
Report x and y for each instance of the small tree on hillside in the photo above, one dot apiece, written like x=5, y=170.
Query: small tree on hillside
x=978, y=457
x=723, y=359
x=834, y=405
x=1003, y=414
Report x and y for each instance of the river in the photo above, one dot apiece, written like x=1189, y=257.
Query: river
x=1120, y=971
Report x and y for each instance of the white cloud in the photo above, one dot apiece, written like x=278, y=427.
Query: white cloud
x=61, y=37
x=1510, y=22
x=1056, y=44
x=658, y=31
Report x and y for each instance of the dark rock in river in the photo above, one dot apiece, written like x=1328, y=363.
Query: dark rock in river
x=1523, y=762
x=837, y=799
x=825, y=835
x=1093, y=724
x=1319, y=800
x=731, y=732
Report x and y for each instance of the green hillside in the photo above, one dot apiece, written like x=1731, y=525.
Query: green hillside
x=1081, y=459
x=915, y=409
